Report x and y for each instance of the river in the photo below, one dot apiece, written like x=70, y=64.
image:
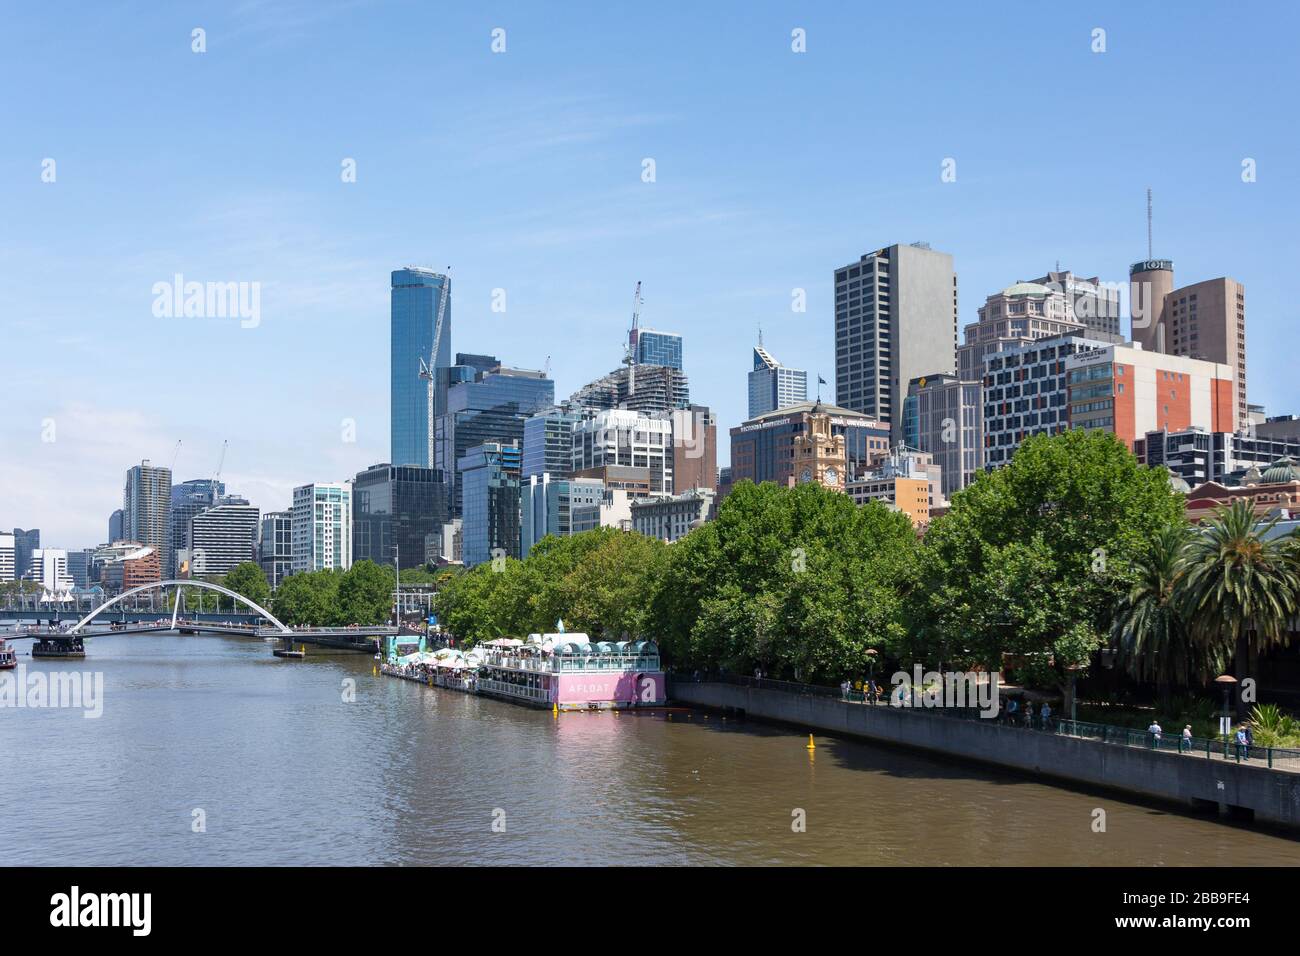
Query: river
x=211, y=751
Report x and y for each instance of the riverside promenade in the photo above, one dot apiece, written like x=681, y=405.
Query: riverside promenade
x=1246, y=789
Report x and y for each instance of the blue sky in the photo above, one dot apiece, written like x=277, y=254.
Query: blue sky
x=522, y=171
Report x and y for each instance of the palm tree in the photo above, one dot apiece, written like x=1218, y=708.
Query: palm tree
x=1240, y=586
x=1149, y=630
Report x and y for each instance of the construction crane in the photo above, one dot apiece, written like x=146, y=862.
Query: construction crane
x=175, y=455
x=629, y=358
x=427, y=368
x=217, y=476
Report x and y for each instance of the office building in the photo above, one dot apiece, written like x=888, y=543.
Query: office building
x=546, y=506
x=1205, y=320
x=188, y=499
x=6, y=557
x=695, y=448
x=127, y=565
x=672, y=518
x=25, y=544
x=548, y=443
x=944, y=417
x=48, y=567
x=776, y=447
x=895, y=320
x=1089, y=302
x=221, y=538
x=321, y=526
x=1196, y=455
x=79, y=567
x=1025, y=393
x=773, y=386
x=115, y=525
x=275, y=546
x=420, y=354
x=146, y=511
x=612, y=510
x=489, y=475
x=622, y=437
x=1018, y=315
x=487, y=402
x=907, y=480
x=1129, y=392
x=1279, y=427
x=396, y=511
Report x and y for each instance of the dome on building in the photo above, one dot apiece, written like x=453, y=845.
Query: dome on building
x=1283, y=470
x=1251, y=477
x=1027, y=288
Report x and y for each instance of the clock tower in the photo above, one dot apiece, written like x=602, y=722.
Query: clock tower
x=819, y=455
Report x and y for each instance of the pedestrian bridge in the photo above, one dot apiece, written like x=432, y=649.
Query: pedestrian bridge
x=179, y=584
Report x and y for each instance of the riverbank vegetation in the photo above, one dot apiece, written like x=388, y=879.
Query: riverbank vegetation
x=1071, y=551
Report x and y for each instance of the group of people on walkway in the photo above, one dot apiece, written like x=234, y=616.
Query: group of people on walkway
x=1012, y=711
x=865, y=691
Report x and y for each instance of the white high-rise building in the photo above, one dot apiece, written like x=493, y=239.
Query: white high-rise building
x=321, y=526
x=6, y=557
x=222, y=538
x=773, y=386
x=621, y=437
x=49, y=567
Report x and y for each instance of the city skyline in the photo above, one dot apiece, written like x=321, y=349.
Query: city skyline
x=754, y=175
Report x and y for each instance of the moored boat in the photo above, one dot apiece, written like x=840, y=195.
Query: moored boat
x=8, y=656
x=569, y=672
x=56, y=645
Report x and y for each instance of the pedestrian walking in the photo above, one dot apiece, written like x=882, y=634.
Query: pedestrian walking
x=1241, y=742
x=1012, y=708
x=1155, y=731
x=1046, y=715
x=1186, y=742
x=1250, y=740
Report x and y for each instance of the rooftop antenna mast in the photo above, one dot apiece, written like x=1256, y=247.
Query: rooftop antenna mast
x=1150, y=252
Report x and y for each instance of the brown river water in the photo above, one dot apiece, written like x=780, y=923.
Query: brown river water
x=280, y=768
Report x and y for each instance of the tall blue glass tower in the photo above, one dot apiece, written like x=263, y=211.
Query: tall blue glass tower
x=421, y=310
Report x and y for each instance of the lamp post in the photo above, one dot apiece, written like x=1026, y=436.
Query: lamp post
x=1228, y=683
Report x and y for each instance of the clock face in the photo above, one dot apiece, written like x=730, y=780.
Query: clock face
x=807, y=475
x=832, y=476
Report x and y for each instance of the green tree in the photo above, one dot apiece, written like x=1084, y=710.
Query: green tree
x=1029, y=563
x=365, y=594
x=249, y=580
x=1241, y=586
x=308, y=598
x=1149, y=631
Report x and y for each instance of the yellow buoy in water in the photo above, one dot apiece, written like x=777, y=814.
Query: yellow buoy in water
x=555, y=710
x=811, y=745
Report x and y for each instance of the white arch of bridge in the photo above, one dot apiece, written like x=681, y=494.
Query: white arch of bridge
x=191, y=583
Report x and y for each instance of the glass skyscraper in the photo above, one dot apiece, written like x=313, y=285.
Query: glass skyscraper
x=773, y=386
x=489, y=475
x=485, y=403
x=417, y=298
x=548, y=443
x=402, y=506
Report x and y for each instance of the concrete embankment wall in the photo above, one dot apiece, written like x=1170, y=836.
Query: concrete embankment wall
x=1273, y=796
